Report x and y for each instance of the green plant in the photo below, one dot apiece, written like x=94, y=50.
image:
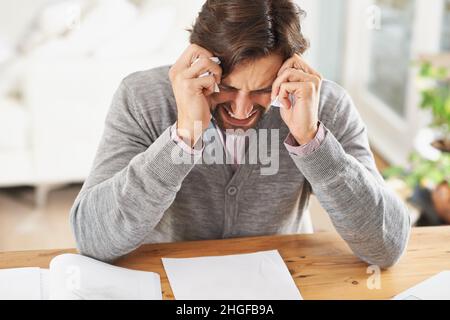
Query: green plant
x=436, y=98
x=422, y=172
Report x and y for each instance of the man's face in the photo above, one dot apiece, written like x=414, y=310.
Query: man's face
x=245, y=93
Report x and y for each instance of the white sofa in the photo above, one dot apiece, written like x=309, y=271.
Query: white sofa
x=51, y=125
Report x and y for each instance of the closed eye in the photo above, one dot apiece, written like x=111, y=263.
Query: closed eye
x=255, y=92
x=263, y=91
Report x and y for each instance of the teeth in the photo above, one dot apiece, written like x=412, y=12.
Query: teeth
x=234, y=117
x=252, y=113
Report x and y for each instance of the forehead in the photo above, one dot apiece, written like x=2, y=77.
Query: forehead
x=255, y=75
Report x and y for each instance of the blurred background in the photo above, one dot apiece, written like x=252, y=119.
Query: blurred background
x=62, y=60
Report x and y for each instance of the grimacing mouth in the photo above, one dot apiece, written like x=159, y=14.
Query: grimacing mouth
x=225, y=118
x=227, y=107
x=230, y=112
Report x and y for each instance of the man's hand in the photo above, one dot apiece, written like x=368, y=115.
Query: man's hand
x=191, y=92
x=297, y=78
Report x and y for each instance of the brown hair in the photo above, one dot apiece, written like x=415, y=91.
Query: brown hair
x=239, y=31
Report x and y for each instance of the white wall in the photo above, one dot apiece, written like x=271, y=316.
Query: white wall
x=15, y=15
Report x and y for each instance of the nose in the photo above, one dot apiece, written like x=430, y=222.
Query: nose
x=242, y=105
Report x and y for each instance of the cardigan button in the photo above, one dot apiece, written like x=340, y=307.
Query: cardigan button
x=232, y=191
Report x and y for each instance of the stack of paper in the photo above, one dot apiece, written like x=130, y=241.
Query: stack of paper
x=23, y=284
x=76, y=277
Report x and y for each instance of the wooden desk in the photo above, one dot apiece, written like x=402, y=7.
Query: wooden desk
x=322, y=265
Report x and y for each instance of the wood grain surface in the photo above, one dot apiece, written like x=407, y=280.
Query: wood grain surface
x=321, y=264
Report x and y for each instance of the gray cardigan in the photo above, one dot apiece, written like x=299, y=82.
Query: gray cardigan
x=137, y=194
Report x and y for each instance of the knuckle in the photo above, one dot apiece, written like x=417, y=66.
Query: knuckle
x=215, y=66
x=219, y=74
x=317, y=81
x=173, y=75
x=177, y=76
x=283, y=86
x=318, y=78
x=310, y=86
x=291, y=60
x=211, y=81
x=288, y=72
x=203, y=62
x=187, y=85
x=294, y=73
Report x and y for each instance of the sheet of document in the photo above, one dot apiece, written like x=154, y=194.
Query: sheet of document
x=255, y=276
x=75, y=277
x=20, y=284
x=434, y=288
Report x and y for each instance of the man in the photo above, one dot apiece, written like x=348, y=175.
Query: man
x=139, y=192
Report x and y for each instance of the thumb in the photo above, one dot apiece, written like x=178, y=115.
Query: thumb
x=286, y=114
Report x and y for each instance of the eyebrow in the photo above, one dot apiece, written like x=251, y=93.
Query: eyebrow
x=269, y=88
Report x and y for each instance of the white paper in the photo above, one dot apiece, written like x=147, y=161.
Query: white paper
x=45, y=284
x=434, y=288
x=20, y=284
x=276, y=103
x=77, y=277
x=255, y=276
x=215, y=60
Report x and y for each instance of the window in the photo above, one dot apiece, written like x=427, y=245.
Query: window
x=331, y=22
x=445, y=42
x=390, y=51
x=383, y=40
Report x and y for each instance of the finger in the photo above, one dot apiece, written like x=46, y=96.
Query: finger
x=189, y=55
x=298, y=90
x=202, y=66
x=286, y=114
x=297, y=62
x=204, y=85
x=305, y=66
x=290, y=63
x=293, y=75
x=286, y=90
x=194, y=52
